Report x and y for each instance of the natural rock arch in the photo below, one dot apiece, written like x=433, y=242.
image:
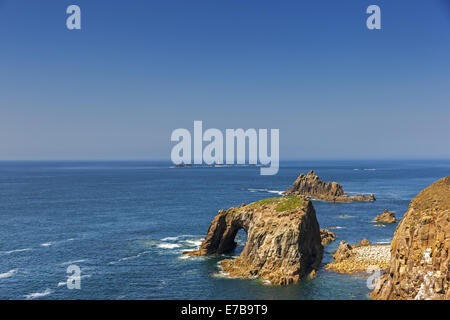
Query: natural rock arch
x=283, y=239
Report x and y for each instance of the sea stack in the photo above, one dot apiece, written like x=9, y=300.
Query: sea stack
x=419, y=265
x=386, y=217
x=312, y=186
x=283, y=240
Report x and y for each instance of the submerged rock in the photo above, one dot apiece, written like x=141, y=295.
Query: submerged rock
x=419, y=265
x=386, y=217
x=283, y=240
x=312, y=186
x=327, y=236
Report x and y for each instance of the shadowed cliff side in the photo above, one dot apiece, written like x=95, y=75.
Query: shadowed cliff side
x=312, y=186
x=283, y=240
x=419, y=263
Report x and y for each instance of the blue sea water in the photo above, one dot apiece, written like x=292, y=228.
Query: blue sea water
x=125, y=225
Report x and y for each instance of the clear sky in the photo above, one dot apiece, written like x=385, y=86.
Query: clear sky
x=140, y=69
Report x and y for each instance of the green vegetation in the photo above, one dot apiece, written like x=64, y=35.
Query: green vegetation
x=284, y=203
x=289, y=203
x=265, y=202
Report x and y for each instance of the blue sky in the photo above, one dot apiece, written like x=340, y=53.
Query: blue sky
x=139, y=69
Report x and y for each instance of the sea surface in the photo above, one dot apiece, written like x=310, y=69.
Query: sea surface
x=125, y=225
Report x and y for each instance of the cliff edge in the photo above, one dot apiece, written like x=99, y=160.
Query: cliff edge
x=419, y=263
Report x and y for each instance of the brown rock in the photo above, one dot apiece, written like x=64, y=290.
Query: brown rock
x=312, y=186
x=327, y=236
x=419, y=264
x=357, y=258
x=364, y=242
x=386, y=217
x=343, y=252
x=283, y=240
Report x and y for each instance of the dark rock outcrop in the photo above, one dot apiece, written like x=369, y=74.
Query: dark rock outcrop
x=327, y=236
x=283, y=240
x=386, y=217
x=312, y=186
x=419, y=265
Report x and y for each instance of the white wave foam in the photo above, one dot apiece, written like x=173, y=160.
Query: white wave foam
x=73, y=262
x=50, y=243
x=182, y=236
x=46, y=244
x=383, y=242
x=130, y=258
x=346, y=216
x=265, y=190
x=16, y=250
x=170, y=239
x=370, y=169
x=38, y=294
x=8, y=274
x=168, y=245
x=194, y=243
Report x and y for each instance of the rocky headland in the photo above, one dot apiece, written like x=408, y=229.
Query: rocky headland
x=386, y=217
x=419, y=264
x=358, y=258
x=312, y=186
x=283, y=240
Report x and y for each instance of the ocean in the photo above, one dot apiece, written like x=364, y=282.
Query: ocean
x=126, y=223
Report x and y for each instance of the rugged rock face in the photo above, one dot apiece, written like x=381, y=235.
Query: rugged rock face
x=327, y=236
x=343, y=252
x=312, y=186
x=386, y=217
x=283, y=240
x=419, y=265
x=358, y=258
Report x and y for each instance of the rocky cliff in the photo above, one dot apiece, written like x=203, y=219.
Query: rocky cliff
x=283, y=240
x=312, y=186
x=419, y=265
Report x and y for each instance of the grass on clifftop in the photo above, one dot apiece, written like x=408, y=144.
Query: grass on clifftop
x=284, y=203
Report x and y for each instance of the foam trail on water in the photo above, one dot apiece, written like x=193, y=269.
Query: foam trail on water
x=38, y=294
x=16, y=250
x=73, y=262
x=46, y=244
x=168, y=245
x=265, y=190
x=8, y=274
x=130, y=258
